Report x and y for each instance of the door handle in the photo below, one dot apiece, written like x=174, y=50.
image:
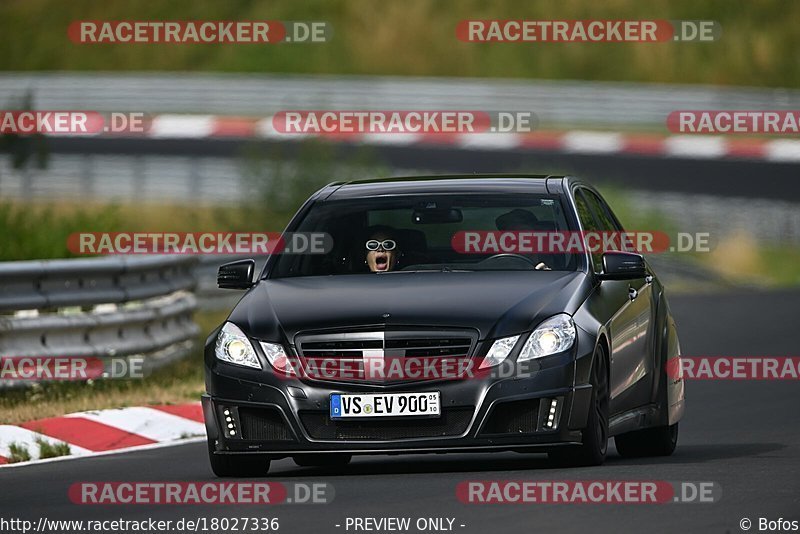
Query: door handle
x=632, y=293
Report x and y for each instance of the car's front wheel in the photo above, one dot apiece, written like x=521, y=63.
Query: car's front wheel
x=237, y=465
x=658, y=441
x=594, y=447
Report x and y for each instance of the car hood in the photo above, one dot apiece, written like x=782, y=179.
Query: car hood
x=495, y=303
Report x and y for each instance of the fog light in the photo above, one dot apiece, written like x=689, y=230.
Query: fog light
x=551, y=422
x=228, y=421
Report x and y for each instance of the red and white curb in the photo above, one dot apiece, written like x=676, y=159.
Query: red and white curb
x=106, y=431
x=567, y=142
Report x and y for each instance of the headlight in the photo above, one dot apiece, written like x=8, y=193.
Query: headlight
x=276, y=356
x=234, y=347
x=500, y=350
x=556, y=334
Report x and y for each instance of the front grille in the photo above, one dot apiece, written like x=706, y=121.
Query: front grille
x=263, y=424
x=453, y=422
x=516, y=417
x=389, y=356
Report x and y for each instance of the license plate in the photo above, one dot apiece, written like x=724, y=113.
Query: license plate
x=345, y=405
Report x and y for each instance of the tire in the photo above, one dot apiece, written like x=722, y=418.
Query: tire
x=594, y=445
x=323, y=460
x=658, y=441
x=237, y=465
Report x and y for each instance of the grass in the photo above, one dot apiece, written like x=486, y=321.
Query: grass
x=740, y=259
x=737, y=258
x=26, y=221
x=417, y=38
x=18, y=453
x=280, y=182
x=48, y=450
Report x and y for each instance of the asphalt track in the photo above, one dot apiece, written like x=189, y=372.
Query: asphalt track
x=743, y=435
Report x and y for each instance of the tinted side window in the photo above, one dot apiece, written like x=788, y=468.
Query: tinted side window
x=589, y=225
x=600, y=210
x=613, y=215
x=584, y=213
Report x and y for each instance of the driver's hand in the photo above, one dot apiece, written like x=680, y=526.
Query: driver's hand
x=542, y=267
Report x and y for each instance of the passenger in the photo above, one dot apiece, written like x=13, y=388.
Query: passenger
x=382, y=252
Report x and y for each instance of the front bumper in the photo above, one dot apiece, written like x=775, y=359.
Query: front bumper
x=282, y=416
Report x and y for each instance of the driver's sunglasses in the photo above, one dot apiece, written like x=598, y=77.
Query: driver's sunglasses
x=388, y=244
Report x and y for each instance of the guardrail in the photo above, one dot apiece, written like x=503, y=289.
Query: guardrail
x=113, y=307
x=571, y=103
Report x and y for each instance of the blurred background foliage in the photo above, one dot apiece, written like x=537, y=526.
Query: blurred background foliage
x=280, y=179
x=760, y=43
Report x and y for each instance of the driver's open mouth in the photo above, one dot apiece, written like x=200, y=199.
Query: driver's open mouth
x=381, y=261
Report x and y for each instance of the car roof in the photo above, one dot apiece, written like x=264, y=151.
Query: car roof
x=456, y=183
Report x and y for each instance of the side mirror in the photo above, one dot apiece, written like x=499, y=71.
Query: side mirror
x=623, y=266
x=236, y=274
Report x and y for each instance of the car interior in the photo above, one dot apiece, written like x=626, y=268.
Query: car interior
x=425, y=238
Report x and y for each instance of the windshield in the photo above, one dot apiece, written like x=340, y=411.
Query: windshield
x=426, y=233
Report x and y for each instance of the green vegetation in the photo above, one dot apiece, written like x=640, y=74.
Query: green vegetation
x=737, y=258
x=41, y=231
x=281, y=182
x=417, y=38
x=48, y=450
x=18, y=453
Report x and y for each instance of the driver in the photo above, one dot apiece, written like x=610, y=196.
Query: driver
x=381, y=249
x=520, y=220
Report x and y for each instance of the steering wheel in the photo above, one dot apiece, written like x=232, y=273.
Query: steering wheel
x=511, y=255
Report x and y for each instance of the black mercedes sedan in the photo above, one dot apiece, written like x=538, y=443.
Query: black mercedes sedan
x=439, y=320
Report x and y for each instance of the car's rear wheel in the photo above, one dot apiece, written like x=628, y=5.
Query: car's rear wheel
x=594, y=445
x=658, y=441
x=322, y=460
x=237, y=465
